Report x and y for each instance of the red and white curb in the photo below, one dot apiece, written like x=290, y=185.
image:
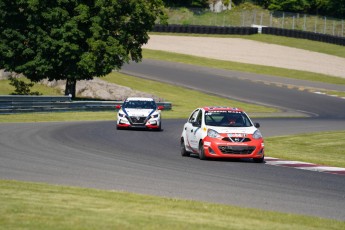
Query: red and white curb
x=304, y=166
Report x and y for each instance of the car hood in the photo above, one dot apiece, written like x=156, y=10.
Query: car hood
x=247, y=130
x=138, y=112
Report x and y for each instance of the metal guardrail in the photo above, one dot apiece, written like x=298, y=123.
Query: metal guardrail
x=31, y=104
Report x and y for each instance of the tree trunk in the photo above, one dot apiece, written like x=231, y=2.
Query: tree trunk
x=70, y=87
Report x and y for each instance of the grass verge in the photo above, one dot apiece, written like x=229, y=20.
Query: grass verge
x=7, y=89
x=309, y=148
x=59, y=116
x=41, y=206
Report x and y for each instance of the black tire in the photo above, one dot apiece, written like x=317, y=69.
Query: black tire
x=259, y=160
x=184, y=152
x=202, y=152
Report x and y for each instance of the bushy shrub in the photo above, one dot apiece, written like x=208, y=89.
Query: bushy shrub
x=21, y=87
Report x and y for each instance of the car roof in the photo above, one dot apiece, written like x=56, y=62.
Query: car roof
x=221, y=108
x=139, y=99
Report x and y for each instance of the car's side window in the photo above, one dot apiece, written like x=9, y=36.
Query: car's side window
x=193, y=117
x=199, y=117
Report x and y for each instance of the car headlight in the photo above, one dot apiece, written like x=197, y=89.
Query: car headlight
x=212, y=133
x=154, y=116
x=257, y=134
x=121, y=115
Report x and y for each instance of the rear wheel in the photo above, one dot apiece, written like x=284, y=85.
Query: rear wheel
x=184, y=152
x=202, y=152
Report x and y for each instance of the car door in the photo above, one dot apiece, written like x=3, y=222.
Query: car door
x=194, y=124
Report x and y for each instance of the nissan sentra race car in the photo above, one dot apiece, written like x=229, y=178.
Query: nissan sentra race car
x=139, y=112
x=222, y=132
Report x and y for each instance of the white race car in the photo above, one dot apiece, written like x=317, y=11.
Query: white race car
x=139, y=112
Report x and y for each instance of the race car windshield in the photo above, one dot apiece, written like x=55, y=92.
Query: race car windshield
x=140, y=105
x=227, y=119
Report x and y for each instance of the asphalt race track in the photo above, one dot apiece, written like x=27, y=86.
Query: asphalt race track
x=244, y=87
x=96, y=155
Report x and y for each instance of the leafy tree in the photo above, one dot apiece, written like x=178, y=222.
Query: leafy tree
x=263, y=3
x=73, y=39
x=199, y=3
x=289, y=5
x=186, y=3
x=238, y=2
x=21, y=87
x=318, y=6
x=336, y=8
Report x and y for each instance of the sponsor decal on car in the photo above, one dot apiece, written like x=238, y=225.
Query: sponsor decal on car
x=207, y=143
x=237, y=135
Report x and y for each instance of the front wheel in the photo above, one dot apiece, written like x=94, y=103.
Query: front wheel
x=184, y=152
x=202, y=152
x=259, y=160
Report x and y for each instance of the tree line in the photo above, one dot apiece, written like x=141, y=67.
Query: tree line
x=334, y=8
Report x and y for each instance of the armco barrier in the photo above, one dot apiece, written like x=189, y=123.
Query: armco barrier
x=197, y=29
x=31, y=104
x=304, y=34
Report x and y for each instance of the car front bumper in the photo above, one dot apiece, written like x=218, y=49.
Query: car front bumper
x=150, y=124
x=217, y=148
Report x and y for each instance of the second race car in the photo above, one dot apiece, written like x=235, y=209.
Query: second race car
x=139, y=112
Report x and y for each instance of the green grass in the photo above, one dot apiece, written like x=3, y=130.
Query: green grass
x=59, y=116
x=335, y=93
x=309, y=148
x=6, y=88
x=41, y=206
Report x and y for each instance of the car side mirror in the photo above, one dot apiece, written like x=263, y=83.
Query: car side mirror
x=161, y=107
x=118, y=106
x=196, y=124
x=257, y=125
